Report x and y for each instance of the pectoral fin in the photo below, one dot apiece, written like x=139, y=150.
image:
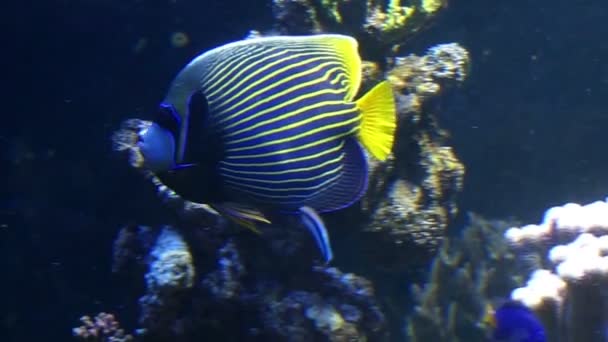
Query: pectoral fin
x=242, y=215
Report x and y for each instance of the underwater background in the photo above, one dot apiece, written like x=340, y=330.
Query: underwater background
x=528, y=123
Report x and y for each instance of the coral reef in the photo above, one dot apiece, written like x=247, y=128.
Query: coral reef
x=468, y=273
x=224, y=283
x=171, y=274
x=567, y=289
x=281, y=300
x=203, y=275
x=422, y=76
x=385, y=22
x=347, y=312
x=102, y=328
x=413, y=196
x=564, y=257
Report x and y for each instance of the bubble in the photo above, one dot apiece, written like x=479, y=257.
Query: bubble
x=140, y=45
x=179, y=39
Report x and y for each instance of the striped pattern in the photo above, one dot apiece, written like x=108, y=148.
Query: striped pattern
x=283, y=111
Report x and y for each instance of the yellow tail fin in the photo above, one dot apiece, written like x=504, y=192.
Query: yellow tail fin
x=378, y=120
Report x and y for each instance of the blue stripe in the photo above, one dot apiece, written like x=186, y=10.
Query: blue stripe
x=249, y=139
x=263, y=158
x=222, y=65
x=289, y=103
x=227, y=99
x=283, y=104
x=293, y=199
x=231, y=86
x=293, y=171
x=275, y=155
x=310, y=168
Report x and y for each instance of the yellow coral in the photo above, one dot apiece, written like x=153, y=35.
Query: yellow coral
x=397, y=15
x=332, y=8
x=431, y=6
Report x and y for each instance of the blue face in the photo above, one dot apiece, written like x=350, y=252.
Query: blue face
x=157, y=142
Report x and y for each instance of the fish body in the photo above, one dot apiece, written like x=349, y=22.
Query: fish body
x=272, y=124
x=514, y=322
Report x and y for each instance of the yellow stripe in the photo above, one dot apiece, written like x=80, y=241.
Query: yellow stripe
x=334, y=170
x=223, y=63
x=251, y=62
x=297, y=136
x=269, y=98
x=224, y=97
x=255, y=72
x=266, y=99
x=320, y=185
x=342, y=77
x=287, y=115
x=287, y=150
x=282, y=172
x=289, y=196
x=235, y=57
x=285, y=161
x=300, y=123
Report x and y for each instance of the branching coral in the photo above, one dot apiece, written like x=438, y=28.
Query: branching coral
x=467, y=273
x=568, y=289
x=102, y=328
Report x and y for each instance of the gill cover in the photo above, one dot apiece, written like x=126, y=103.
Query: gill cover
x=158, y=148
x=157, y=141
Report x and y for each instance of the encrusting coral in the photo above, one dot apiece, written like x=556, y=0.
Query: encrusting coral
x=385, y=22
x=170, y=276
x=313, y=302
x=412, y=196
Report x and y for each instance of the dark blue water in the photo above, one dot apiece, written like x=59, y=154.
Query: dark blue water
x=529, y=124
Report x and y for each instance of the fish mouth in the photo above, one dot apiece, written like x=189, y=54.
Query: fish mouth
x=127, y=138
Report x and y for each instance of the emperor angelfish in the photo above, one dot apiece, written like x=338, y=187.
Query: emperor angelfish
x=270, y=126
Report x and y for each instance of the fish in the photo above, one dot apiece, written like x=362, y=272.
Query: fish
x=270, y=126
x=514, y=322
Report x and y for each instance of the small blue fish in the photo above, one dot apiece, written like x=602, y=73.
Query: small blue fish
x=271, y=126
x=515, y=322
